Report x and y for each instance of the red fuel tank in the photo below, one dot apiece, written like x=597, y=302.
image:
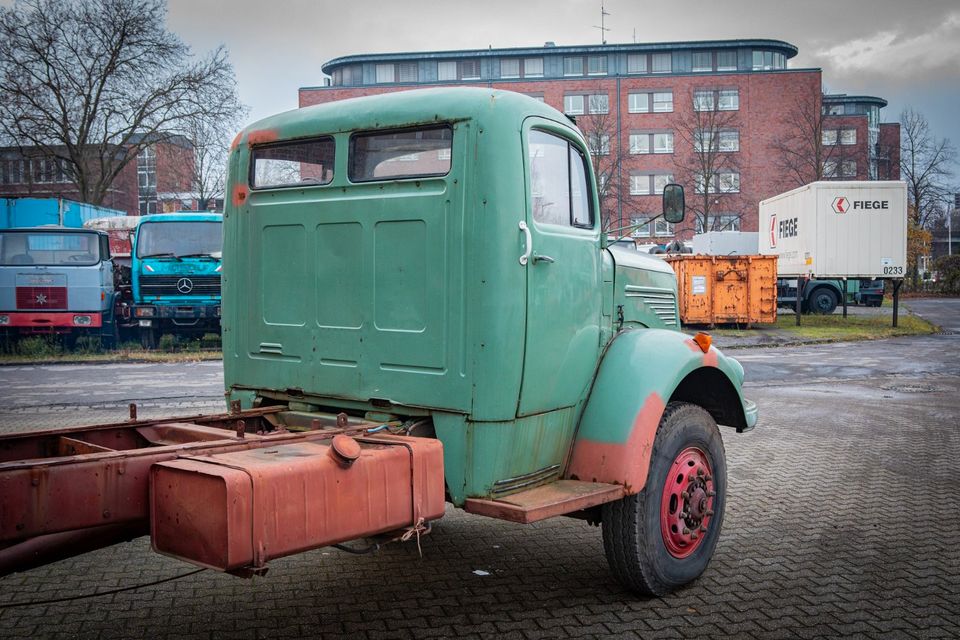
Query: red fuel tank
x=238, y=510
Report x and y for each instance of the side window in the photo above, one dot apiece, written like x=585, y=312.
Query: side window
x=559, y=188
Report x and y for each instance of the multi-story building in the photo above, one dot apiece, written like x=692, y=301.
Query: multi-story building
x=159, y=180
x=721, y=117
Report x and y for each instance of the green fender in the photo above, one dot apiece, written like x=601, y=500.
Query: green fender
x=641, y=371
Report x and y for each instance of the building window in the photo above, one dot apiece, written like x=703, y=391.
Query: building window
x=385, y=73
x=147, y=172
x=848, y=136
x=573, y=66
x=597, y=65
x=447, y=70
x=729, y=140
x=639, y=143
x=702, y=61
x=729, y=100
x=662, y=228
x=637, y=63
x=726, y=60
x=644, y=184
x=533, y=67
x=720, y=222
x=599, y=103
x=408, y=72
x=537, y=96
x=703, y=100
x=767, y=60
x=469, y=69
x=848, y=168
x=835, y=110
x=641, y=227
x=828, y=137
x=47, y=171
x=148, y=206
x=726, y=140
x=11, y=171
x=663, y=102
x=662, y=62
x=651, y=142
x=510, y=68
x=720, y=182
x=573, y=105
x=638, y=103
x=599, y=144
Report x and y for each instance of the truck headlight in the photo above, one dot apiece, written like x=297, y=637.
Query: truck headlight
x=4, y=320
x=144, y=312
x=82, y=321
x=217, y=311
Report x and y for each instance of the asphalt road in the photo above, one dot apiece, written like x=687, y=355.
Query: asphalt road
x=843, y=519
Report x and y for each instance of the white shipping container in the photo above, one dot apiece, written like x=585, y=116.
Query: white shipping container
x=837, y=229
x=726, y=243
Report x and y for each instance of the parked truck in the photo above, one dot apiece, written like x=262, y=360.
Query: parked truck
x=836, y=237
x=420, y=307
x=175, y=273
x=57, y=281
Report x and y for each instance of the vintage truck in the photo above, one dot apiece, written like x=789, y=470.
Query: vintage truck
x=175, y=272
x=419, y=308
x=57, y=281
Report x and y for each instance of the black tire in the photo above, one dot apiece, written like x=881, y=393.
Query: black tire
x=149, y=337
x=823, y=301
x=632, y=538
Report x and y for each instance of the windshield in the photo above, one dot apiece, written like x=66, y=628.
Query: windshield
x=73, y=249
x=179, y=239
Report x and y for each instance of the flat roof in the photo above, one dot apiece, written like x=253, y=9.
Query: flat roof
x=786, y=48
x=842, y=98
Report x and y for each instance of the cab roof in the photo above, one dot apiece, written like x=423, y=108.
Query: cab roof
x=398, y=109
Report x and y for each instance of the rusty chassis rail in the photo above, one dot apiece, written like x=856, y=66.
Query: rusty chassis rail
x=72, y=490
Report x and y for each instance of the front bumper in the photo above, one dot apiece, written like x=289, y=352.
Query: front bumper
x=750, y=414
x=45, y=321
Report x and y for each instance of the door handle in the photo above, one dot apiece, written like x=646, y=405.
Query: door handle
x=539, y=258
x=526, y=256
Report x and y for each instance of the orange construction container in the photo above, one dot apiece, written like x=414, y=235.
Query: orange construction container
x=726, y=289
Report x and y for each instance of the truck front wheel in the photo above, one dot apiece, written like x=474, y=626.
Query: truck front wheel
x=823, y=300
x=149, y=337
x=663, y=537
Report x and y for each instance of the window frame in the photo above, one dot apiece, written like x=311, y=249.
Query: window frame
x=572, y=149
x=393, y=178
x=701, y=69
x=655, y=57
x=252, y=164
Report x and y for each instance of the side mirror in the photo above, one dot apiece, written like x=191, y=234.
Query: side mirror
x=673, y=203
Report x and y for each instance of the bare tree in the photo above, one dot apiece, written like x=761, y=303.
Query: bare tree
x=600, y=131
x=802, y=156
x=92, y=82
x=712, y=134
x=926, y=165
x=211, y=145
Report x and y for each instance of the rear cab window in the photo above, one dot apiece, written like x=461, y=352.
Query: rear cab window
x=406, y=153
x=293, y=164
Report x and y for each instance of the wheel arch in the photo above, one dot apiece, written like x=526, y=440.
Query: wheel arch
x=641, y=372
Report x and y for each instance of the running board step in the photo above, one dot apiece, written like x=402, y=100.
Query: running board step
x=540, y=503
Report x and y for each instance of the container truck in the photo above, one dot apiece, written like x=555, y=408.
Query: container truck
x=175, y=274
x=420, y=306
x=826, y=231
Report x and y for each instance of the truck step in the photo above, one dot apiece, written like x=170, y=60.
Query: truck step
x=540, y=503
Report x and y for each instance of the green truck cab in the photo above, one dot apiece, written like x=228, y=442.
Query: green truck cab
x=433, y=261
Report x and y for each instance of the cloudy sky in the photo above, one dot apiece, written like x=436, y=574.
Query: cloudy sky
x=906, y=52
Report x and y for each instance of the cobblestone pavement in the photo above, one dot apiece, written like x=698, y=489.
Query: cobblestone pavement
x=843, y=520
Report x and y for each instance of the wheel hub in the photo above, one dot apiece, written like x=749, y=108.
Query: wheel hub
x=686, y=506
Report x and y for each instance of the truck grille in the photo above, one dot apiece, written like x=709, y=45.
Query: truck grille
x=168, y=285
x=41, y=297
x=663, y=302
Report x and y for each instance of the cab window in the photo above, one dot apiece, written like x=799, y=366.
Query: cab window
x=559, y=187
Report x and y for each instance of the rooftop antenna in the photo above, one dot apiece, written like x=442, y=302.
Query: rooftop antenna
x=603, y=28
x=634, y=35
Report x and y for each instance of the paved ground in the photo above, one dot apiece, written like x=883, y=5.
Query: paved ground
x=843, y=519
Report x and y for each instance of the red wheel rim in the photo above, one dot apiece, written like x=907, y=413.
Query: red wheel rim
x=686, y=506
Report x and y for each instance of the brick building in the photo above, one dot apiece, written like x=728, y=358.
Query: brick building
x=158, y=180
x=712, y=115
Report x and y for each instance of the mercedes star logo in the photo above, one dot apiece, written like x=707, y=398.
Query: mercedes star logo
x=184, y=285
x=41, y=298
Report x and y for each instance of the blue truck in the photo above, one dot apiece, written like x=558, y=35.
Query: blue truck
x=57, y=281
x=175, y=274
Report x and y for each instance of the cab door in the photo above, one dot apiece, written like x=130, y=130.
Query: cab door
x=561, y=239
